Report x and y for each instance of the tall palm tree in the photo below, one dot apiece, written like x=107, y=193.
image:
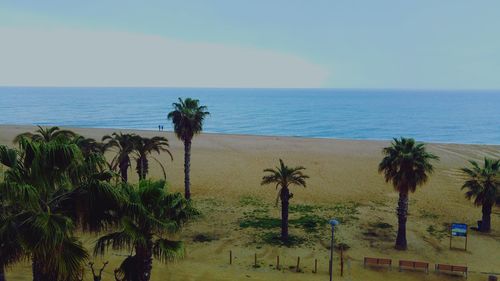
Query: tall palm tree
x=483, y=185
x=187, y=117
x=283, y=177
x=124, y=143
x=406, y=164
x=46, y=134
x=149, y=217
x=54, y=193
x=144, y=147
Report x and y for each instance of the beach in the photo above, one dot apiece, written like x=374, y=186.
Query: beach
x=225, y=175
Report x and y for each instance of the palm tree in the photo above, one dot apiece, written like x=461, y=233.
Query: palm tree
x=150, y=215
x=124, y=143
x=483, y=185
x=187, y=118
x=284, y=176
x=406, y=165
x=46, y=134
x=143, y=148
x=89, y=146
x=54, y=191
x=11, y=248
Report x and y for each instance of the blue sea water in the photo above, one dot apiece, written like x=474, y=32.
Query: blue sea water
x=436, y=116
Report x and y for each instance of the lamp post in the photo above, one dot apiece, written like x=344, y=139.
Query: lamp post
x=333, y=223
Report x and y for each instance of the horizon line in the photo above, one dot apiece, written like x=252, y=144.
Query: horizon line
x=256, y=88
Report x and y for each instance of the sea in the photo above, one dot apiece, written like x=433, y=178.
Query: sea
x=432, y=115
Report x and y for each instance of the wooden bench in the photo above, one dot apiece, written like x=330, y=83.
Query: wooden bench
x=452, y=268
x=414, y=265
x=377, y=261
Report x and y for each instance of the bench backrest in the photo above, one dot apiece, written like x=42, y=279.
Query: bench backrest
x=414, y=264
x=457, y=268
x=385, y=261
x=381, y=261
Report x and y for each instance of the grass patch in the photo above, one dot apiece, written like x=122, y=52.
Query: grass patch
x=381, y=225
x=428, y=215
x=273, y=238
x=248, y=200
x=302, y=208
x=344, y=212
x=437, y=233
x=204, y=237
x=260, y=222
x=309, y=223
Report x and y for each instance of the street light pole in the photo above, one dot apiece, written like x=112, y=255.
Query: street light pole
x=333, y=223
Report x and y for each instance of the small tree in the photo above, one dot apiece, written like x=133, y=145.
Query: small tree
x=150, y=215
x=143, y=148
x=124, y=144
x=283, y=177
x=483, y=186
x=406, y=165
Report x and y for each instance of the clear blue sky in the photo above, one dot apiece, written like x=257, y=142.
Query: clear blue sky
x=437, y=44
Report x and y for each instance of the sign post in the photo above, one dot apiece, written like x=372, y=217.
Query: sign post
x=458, y=230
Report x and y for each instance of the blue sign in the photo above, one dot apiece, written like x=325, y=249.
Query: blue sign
x=459, y=229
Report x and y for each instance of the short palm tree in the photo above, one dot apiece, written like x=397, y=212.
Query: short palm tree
x=283, y=177
x=483, y=185
x=46, y=134
x=54, y=191
x=150, y=215
x=124, y=144
x=407, y=165
x=187, y=117
x=144, y=147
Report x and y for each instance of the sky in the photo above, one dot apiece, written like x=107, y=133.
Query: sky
x=414, y=44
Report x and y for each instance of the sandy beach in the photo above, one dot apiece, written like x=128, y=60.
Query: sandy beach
x=226, y=171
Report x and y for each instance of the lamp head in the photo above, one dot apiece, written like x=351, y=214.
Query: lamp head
x=333, y=222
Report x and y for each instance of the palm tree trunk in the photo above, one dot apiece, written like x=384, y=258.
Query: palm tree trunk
x=402, y=212
x=38, y=273
x=123, y=169
x=285, y=196
x=187, y=165
x=36, y=270
x=486, y=221
x=145, y=260
x=142, y=167
x=2, y=273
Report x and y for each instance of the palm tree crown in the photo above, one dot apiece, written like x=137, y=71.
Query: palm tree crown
x=406, y=164
x=284, y=176
x=188, y=117
x=46, y=134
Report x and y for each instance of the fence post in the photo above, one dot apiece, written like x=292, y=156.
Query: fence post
x=298, y=265
x=341, y=261
x=230, y=257
x=278, y=262
x=315, y=266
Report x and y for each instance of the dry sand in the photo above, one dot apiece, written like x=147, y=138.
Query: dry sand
x=226, y=172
